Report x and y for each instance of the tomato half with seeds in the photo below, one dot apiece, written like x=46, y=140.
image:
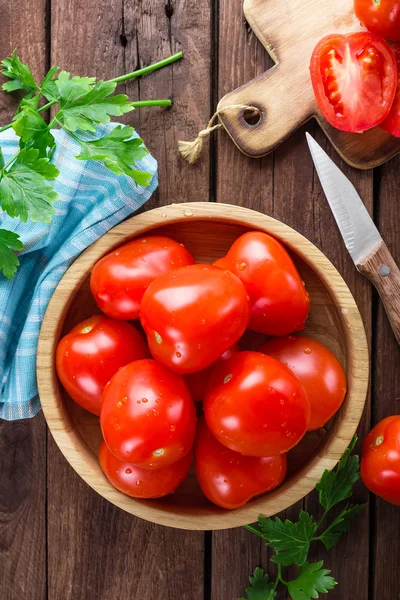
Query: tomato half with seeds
x=354, y=79
x=192, y=315
x=197, y=382
x=319, y=371
x=279, y=300
x=382, y=17
x=119, y=279
x=91, y=353
x=228, y=478
x=380, y=462
x=255, y=405
x=147, y=415
x=143, y=483
x=392, y=122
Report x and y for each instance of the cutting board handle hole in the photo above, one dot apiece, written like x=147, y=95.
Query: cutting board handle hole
x=252, y=118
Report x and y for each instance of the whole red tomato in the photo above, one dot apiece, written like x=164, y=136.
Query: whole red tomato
x=380, y=463
x=197, y=382
x=193, y=315
x=255, y=405
x=147, y=415
x=91, y=353
x=318, y=370
x=143, y=483
x=279, y=301
x=119, y=279
x=229, y=479
x=382, y=17
x=392, y=122
x=354, y=79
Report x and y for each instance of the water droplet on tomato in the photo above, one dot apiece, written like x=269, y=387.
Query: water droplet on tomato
x=172, y=428
x=144, y=400
x=119, y=404
x=283, y=424
x=128, y=471
x=178, y=355
x=66, y=353
x=242, y=266
x=138, y=482
x=307, y=350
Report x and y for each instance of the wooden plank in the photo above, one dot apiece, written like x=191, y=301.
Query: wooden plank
x=96, y=550
x=386, y=396
x=285, y=186
x=23, y=443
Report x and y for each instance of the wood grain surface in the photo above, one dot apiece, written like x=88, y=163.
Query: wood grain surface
x=139, y=560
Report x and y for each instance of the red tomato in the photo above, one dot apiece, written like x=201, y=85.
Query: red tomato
x=279, y=301
x=147, y=415
x=119, y=279
x=392, y=123
x=319, y=371
x=380, y=462
x=193, y=315
x=229, y=479
x=197, y=382
x=255, y=405
x=382, y=17
x=143, y=483
x=354, y=79
x=91, y=353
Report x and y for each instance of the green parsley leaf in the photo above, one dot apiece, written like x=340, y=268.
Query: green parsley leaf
x=291, y=541
x=19, y=75
x=30, y=100
x=1, y=159
x=339, y=525
x=72, y=88
x=337, y=485
x=49, y=85
x=118, y=152
x=311, y=580
x=9, y=262
x=33, y=131
x=260, y=586
x=94, y=107
x=23, y=189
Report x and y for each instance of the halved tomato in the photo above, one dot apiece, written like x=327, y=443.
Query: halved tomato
x=392, y=122
x=354, y=79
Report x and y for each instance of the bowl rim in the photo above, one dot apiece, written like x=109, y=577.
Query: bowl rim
x=82, y=458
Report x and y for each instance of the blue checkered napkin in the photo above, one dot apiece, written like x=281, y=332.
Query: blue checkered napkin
x=91, y=201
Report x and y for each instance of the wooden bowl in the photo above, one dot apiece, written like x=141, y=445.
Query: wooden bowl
x=207, y=230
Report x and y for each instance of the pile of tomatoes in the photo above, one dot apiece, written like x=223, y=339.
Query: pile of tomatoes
x=356, y=78
x=189, y=391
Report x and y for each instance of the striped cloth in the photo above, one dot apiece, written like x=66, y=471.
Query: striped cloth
x=91, y=201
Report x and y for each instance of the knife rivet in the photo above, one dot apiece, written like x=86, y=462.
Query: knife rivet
x=384, y=270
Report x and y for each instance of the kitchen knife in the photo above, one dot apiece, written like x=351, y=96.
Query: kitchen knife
x=362, y=239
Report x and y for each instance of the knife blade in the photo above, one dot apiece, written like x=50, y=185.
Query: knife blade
x=361, y=237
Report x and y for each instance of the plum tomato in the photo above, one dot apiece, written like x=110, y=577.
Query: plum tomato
x=354, y=79
x=318, y=370
x=230, y=479
x=192, y=315
x=392, y=122
x=380, y=461
x=147, y=415
x=143, y=483
x=119, y=279
x=255, y=405
x=382, y=17
x=197, y=382
x=279, y=300
x=91, y=353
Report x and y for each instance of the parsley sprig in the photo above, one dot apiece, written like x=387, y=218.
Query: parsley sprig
x=291, y=541
x=83, y=104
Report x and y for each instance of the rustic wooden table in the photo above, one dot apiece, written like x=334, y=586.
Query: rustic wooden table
x=59, y=539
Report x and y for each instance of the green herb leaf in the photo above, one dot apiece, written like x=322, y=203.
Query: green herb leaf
x=260, y=586
x=20, y=75
x=335, y=486
x=94, y=107
x=311, y=580
x=72, y=88
x=118, y=152
x=30, y=100
x=33, y=131
x=9, y=262
x=23, y=189
x=49, y=85
x=291, y=541
x=339, y=525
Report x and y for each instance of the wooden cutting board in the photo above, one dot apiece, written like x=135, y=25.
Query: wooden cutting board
x=289, y=30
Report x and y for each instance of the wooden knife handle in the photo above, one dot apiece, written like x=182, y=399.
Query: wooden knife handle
x=381, y=269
